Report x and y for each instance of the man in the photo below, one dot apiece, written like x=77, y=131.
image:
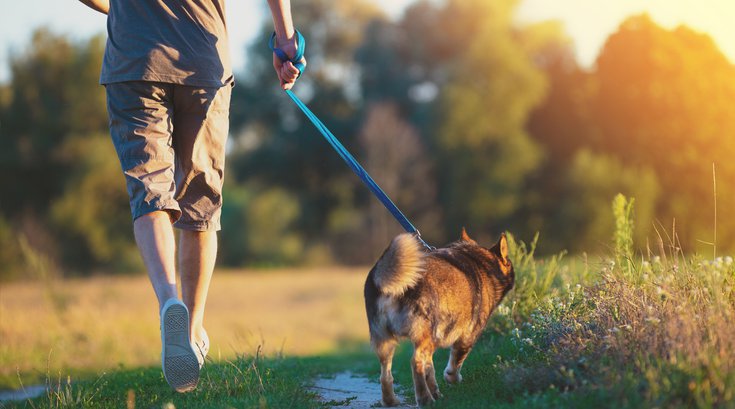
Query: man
x=168, y=79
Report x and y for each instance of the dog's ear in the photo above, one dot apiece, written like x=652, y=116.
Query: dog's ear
x=501, y=248
x=465, y=236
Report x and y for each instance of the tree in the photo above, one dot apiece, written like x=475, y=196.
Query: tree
x=54, y=94
x=493, y=85
x=665, y=100
x=396, y=158
x=92, y=217
x=561, y=122
x=63, y=190
x=582, y=219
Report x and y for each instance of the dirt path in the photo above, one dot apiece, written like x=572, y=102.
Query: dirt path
x=347, y=390
x=29, y=392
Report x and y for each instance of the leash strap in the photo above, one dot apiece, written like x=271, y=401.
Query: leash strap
x=297, y=60
x=359, y=170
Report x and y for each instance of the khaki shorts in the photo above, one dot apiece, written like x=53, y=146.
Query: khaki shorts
x=170, y=140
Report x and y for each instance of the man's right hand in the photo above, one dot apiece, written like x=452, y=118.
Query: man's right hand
x=286, y=71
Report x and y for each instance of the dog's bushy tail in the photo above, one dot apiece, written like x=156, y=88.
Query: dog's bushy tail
x=401, y=266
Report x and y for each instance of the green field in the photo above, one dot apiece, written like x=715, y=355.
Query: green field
x=623, y=331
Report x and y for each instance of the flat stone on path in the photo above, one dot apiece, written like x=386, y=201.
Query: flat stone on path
x=347, y=390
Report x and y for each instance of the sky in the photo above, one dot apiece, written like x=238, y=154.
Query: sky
x=587, y=22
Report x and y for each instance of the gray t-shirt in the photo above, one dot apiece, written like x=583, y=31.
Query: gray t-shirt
x=173, y=41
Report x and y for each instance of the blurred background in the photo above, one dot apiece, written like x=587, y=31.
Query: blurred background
x=527, y=116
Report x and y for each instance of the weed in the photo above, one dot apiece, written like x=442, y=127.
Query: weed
x=623, y=238
x=534, y=279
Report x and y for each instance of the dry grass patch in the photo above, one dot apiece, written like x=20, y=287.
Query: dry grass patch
x=107, y=322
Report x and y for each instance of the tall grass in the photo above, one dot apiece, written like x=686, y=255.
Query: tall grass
x=538, y=280
x=623, y=238
x=652, y=331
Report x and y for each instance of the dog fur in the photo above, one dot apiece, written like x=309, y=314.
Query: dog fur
x=437, y=299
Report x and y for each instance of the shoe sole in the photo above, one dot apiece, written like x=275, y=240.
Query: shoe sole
x=179, y=361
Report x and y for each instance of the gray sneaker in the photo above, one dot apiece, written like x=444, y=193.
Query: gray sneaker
x=178, y=359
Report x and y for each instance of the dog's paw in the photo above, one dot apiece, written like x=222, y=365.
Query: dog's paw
x=437, y=394
x=425, y=401
x=389, y=402
x=452, y=377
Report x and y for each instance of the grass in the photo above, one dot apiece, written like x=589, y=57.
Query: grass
x=628, y=331
x=243, y=382
x=85, y=327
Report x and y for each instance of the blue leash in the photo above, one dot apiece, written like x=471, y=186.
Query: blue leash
x=335, y=143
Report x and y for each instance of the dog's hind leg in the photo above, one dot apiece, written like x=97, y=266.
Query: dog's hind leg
x=456, y=358
x=385, y=349
x=431, y=379
x=423, y=350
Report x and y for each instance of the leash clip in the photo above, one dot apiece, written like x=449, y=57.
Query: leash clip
x=421, y=239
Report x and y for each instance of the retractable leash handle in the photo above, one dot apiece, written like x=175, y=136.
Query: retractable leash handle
x=337, y=145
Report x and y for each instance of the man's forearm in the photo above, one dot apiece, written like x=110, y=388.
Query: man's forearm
x=286, y=41
x=103, y=6
x=282, y=22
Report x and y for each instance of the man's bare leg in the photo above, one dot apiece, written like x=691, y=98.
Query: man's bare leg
x=154, y=235
x=197, y=255
x=180, y=363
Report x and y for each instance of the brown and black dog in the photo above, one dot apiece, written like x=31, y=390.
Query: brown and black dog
x=436, y=299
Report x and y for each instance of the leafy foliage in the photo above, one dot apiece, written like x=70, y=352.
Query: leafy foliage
x=483, y=123
x=659, y=103
x=63, y=191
